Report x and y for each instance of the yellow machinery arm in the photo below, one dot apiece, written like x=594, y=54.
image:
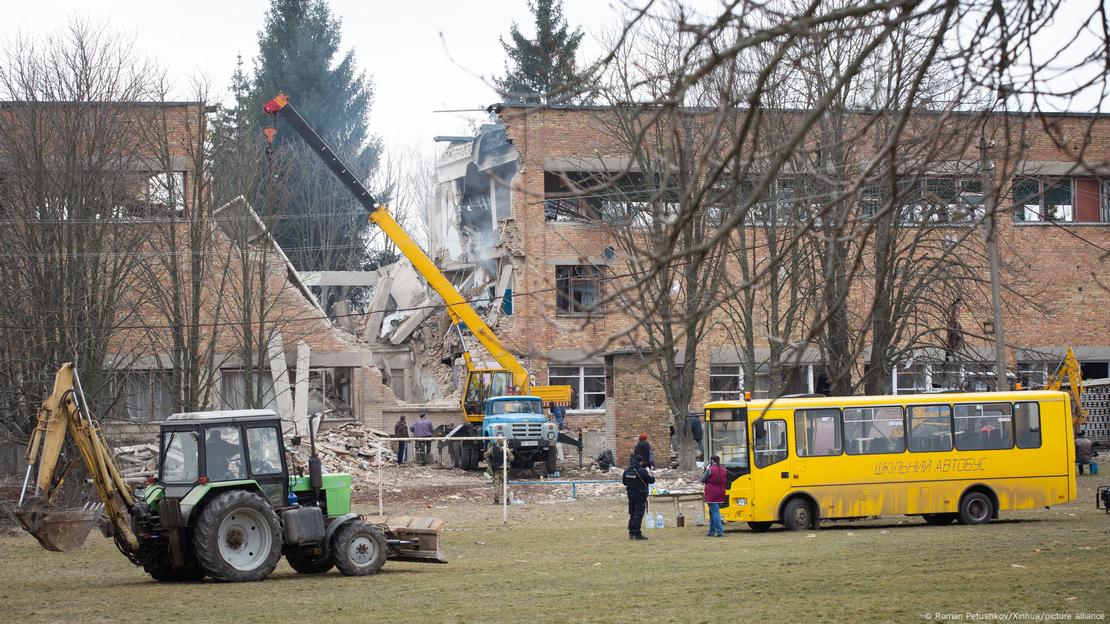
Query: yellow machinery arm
x=64, y=530
x=457, y=306
x=1070, y=370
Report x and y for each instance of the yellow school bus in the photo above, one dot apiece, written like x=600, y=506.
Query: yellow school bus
x=944, y=457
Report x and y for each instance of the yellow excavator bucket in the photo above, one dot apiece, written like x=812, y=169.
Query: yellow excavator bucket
x=59, y=530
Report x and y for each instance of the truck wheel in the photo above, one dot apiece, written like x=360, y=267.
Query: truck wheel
x=470, y=458
x=358, y=548
x=238, y=537
x=976, y=508
x=303, y=562
x=552, y=460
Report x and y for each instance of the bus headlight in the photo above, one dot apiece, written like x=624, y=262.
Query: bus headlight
x=741, y=502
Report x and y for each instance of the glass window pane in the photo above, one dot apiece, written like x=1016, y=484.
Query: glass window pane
x=1028, y=424
x=729, y=441
x=223, y=454
x=265, y=452
x=770, y=442
x=930, y=428
x=982, y=426
x=873, y=430
x=179, y=459
x=817, y=432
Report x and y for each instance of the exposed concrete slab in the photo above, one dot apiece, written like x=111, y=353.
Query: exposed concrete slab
x=340, y=278
x=406, y=287
x=300, y=397
x=378, y=304
x=280, y=371
x=409, y=325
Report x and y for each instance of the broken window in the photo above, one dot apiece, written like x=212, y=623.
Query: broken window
x=166, y=191
x=725, y=383
x=587, y=385
x=233, y=390
x=1047, y=199
x=577, y=289
x=1032, y=375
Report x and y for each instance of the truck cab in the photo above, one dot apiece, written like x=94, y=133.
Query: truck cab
x=521, y=421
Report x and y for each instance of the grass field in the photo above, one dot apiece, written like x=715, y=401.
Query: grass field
x=572, y=562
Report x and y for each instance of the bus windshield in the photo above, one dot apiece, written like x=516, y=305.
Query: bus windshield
x=728, y=438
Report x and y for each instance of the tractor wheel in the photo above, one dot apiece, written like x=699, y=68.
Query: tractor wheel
x=358, y=548
x=552, y=460
x=303, y=562
x=238, y=537
x=939, y=519
x=160, y=570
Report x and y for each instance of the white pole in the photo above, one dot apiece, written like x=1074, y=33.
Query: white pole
x=380, y=489
x=504, y=481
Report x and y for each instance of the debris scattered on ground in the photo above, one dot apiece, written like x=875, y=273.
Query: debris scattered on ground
x=137, y=461
x=351, y=447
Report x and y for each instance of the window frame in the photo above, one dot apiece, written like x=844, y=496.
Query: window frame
x=725, y=395
x=902, y=419
x=909, y=428
x=565, y=288
x=250, y=456
x=838, y=431
x=955, y=437
x=1040, y=425
x=1044, y=184
x=579, y=386
x=785, y=442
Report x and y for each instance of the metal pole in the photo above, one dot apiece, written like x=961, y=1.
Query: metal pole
x=1001, y=383
x=380, y=488
x=23, y=492
x=504, y=481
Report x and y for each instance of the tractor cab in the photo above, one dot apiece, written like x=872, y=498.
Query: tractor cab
x=234, y=446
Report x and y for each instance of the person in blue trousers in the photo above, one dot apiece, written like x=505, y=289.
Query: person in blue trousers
x=715, y=479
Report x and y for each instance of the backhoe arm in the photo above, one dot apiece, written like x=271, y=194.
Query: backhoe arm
x=1070, y=370
x=63, y=530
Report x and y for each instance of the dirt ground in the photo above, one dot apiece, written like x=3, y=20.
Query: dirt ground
x=563, y=560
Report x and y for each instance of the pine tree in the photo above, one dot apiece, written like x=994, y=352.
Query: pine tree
x=542, y=69
x=315, y=220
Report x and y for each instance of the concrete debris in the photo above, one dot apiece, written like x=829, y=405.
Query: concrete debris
x=351, y=448
x=137, y=461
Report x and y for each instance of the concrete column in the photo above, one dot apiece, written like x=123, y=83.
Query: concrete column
x=300, y=397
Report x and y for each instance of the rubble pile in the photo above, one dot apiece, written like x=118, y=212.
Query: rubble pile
x=137, y=461
x=351, y=448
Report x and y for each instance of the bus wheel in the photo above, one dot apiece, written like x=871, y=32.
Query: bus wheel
x=797, y=515
x=976, y=508
x=939, y=519
x=759, y=527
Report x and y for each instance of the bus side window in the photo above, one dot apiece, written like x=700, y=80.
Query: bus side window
x=1027, y=421
x=769, y=442
x=817, y=432
x=930, y=428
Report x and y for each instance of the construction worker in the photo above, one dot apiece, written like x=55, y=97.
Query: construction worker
x=495, y=461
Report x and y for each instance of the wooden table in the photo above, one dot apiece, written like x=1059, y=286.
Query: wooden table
x=675, y=498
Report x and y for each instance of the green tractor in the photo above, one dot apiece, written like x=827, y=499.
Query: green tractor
x=224, y=504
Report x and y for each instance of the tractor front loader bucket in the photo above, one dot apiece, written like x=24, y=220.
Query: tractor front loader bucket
x=411, y=538
x=59, y=530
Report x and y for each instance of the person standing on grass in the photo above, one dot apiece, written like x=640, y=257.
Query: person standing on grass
x=423, y=429
x=1084, y=450
x=715, y=479
x=401, y=430
x=636, y=479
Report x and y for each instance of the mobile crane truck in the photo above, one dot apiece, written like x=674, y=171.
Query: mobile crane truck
x=501, y=402
x=223, y=504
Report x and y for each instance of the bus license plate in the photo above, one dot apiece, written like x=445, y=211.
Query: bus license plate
x=529, y=442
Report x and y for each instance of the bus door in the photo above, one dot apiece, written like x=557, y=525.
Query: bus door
x=728, y=440
x=770, y=470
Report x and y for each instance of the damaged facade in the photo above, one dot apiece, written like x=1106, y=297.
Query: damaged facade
x=502, y=218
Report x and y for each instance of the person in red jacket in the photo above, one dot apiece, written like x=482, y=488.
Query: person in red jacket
x=715, y=479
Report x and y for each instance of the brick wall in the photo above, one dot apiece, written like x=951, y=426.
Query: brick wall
x=637, y=405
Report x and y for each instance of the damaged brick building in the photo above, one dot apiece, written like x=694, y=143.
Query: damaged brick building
x=542, y=263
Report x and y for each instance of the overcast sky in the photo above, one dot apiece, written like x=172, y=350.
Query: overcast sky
x=423, y=55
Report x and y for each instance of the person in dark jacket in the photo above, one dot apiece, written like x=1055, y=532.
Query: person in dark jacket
x=716, y=480
x=1084, y=452
x=401, y=430
x=693, y=426
x=636, y=479
x=644, y=451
